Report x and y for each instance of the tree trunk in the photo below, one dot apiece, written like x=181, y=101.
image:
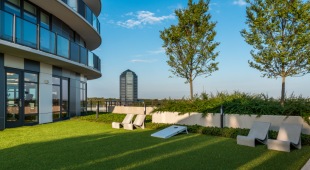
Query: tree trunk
x=283, y=91
x=191, y=88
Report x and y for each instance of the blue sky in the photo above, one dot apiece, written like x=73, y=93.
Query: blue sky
x=130, y=40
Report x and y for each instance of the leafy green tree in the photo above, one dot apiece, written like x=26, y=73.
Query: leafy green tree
x=190, y=44
x=279, y=31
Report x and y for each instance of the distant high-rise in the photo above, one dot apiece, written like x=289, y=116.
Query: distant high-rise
x=128, y=87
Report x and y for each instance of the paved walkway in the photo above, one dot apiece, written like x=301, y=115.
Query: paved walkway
x=306, y=166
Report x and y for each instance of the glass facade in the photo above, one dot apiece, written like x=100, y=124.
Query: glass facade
x=34, y=28
x=80, y=7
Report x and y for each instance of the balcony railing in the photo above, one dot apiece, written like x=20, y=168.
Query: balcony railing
x=80, y=7
x=20, y=31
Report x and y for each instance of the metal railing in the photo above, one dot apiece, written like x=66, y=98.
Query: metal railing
x=23, y=32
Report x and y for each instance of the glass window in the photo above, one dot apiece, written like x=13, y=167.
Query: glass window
x=30, y=12
x=44, y=20
x=56, y=81
x=30, y=8
x=12, y=8
x=83, y=100
x=31, y=77
x=15, y=2
x=56, y=102
x=65, y=98
x=31, y=97
x=60, y=98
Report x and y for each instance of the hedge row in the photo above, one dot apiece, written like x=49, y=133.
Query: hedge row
x=239, y=103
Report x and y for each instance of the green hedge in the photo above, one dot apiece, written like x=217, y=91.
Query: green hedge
x=239, y=103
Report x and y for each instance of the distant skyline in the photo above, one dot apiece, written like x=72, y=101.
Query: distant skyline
x=130, y=40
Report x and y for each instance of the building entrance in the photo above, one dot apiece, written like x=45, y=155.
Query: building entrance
x=21, y=98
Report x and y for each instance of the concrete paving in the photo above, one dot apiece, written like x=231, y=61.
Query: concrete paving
x=306, y=166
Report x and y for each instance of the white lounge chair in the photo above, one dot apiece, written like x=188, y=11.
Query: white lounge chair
x=258, y=132
x=289, y=134
x=139, y=122
x=127, y=120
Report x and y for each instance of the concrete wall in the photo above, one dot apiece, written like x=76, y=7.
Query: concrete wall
x=45, y=93
x=129, y=109
x=230, y=120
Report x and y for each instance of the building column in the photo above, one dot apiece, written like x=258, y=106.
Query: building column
x=2, y=92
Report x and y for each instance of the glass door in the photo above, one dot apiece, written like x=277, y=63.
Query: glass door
x=14, y=102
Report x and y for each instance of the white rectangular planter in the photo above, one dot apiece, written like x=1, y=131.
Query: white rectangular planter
x=230, y=120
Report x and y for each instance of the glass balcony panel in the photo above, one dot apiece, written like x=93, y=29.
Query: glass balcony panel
x=74, y=52
x=11, y=9
x=62, y=46
x=6, y=26
x=90, y=59
x=26, y=33
x=47, y=41
x=88, y=15
x=73, y=4
x=96, y=63
x=83, y=55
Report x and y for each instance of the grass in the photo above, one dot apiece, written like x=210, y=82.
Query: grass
x=81, y=144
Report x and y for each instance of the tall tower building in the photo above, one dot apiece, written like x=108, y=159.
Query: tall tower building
x=128, y=87
x=46, y=59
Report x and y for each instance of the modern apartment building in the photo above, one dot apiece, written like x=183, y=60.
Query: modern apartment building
x=128, y=87
x=46, y=59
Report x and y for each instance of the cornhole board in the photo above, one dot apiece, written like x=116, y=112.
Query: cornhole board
x=170, y=131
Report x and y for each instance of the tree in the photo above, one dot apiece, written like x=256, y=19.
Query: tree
x=279, y=32
x=190, y=44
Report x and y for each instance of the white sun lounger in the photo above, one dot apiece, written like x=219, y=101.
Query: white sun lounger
x=139, y=122
x=170, y=131
x=289, y=134
x=259, y=132
x=127, y=120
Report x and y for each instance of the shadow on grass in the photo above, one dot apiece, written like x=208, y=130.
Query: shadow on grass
x=119, y=149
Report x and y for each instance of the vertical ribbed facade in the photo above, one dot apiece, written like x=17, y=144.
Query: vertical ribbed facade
x=128, y=87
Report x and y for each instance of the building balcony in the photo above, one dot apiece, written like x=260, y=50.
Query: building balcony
x=77, y=15
x=94, y=5
x=23, y=38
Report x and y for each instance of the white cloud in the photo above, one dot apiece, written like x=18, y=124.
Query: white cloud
x=239, y=2
x=141, y=61
x=159, y=51
x=143, y=18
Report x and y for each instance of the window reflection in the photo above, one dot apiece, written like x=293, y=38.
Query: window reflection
x=65, y=99
x=56, y=102
x=31, y=97
x=60, y=98
x=83, y=100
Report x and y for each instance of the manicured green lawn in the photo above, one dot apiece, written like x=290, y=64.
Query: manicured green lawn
x=79, y=144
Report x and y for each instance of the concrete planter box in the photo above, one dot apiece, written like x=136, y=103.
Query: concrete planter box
x=230, y=120
x=129, y=109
